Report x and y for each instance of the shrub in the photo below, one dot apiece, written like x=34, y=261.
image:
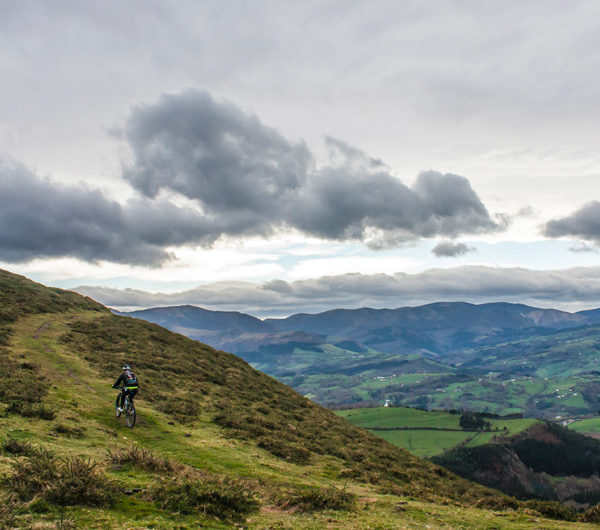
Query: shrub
x=79, y=482
x=31, y=410
x=40, y=505
x=312, y=499
x=20, y=382
x=68, y=482
x=390, y=488
x=15, y=447
x=285, y=449
x=32, y=477
x=592, y=515
x=8, y=511
x=5, y=334
x=181, y=407
x=69, y=431
x=142, y=459
x=552, y=510
x=497, y=502
x=222, y=498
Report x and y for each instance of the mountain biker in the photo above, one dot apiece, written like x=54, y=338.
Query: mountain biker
x=129, y=387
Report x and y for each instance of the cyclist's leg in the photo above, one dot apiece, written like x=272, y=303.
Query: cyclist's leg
x=126, y=394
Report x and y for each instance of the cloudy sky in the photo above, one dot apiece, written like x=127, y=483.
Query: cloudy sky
x=275, y=157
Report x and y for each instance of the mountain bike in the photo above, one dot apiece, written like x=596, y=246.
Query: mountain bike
x=128, y=409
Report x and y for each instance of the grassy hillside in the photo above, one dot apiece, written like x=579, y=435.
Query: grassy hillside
x=217, y=443
x=426, y=433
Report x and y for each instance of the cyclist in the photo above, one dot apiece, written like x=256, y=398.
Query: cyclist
x=129, y=387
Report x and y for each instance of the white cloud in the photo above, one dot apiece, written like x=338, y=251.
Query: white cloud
x=568, y=288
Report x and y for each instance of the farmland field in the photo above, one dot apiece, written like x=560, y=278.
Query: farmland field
x=587, y=426
x=428, y=433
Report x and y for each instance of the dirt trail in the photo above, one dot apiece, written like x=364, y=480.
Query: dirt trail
x=41, y=329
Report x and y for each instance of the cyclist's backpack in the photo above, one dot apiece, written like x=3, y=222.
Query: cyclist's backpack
x=131, y=378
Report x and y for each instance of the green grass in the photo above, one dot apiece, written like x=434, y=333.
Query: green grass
x=588, y=425
x=399, y=417
x=425, y=443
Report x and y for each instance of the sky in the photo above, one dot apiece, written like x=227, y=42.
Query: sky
x=275, y=157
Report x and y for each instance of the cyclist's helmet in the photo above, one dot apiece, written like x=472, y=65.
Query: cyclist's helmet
x=126, y=367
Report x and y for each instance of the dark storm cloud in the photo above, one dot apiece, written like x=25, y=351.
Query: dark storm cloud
x=214, y=153
x=241, y=178
x=238, y=169
x=450, y=249
x=40, y=219
x=467, y=283
x=583, y=224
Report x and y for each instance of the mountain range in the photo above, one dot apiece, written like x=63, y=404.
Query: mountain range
x=430, y=330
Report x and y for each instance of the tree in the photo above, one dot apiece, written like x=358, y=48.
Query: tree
x=471, y=420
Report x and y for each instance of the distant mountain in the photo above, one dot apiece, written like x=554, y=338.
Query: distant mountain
x=591, y=315
x=192, y=317
x=432, y=329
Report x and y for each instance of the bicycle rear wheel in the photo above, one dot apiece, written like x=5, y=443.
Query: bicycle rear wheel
x=130, y=414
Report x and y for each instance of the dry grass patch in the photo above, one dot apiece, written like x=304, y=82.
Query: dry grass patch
x=62, y=482
x=313, y=499
x=221, y=497
x=68, y=430
x=15, y=447
x=142, y=459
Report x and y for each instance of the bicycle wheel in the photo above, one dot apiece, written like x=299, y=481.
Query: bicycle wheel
x=130, y=414
x=117, y=413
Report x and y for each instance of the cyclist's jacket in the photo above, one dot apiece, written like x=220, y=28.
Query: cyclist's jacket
x=128, y=380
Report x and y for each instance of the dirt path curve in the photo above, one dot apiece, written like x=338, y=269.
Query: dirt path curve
x=41, y=329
